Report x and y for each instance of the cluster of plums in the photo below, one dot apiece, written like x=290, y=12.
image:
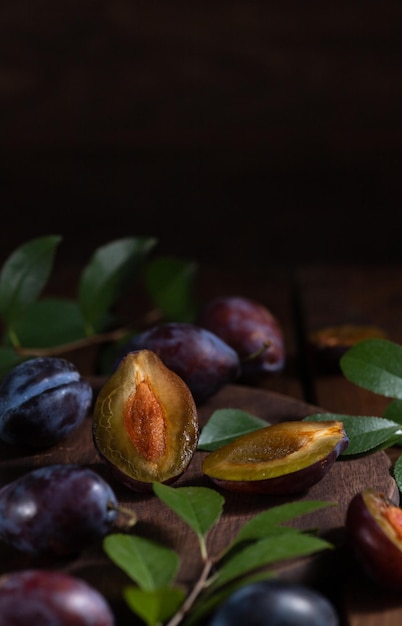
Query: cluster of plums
x=54, y=510
x=233, y=339
x=57, y=510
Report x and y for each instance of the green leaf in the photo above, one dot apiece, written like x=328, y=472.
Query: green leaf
x=225, y=425
x=50, y=322
x=111, y=269
x=394, y=411
x=267, y=551
x=265, y=522
x=150, y=565
x=398, y=472
x=155, y=606
x=376, y=365
x=24, y=275
x=199, y=507
x=366, y=434
x=170, y=283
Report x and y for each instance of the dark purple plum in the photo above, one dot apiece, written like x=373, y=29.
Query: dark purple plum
x=51, y=598
x=42, y=400
x=275, y=603
x=204, y=361
x=250, y=329
x=56, y=510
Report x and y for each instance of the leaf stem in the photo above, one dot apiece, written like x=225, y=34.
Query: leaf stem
x=71, y=346
x=195, y=592
x=151, y=317
x=13, y=338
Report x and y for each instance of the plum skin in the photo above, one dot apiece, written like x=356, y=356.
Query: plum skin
x=247, y=326
x=42, y=400
x=51, y=598
x=374, y=532
x=202, y=359
x=275, y=603
x=56, y=510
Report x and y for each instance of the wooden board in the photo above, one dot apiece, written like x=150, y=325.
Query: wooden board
x=157, y=522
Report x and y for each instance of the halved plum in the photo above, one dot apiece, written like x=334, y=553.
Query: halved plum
x=279, y=459
x=374, y=532
x=328, y=345
x=145, y=423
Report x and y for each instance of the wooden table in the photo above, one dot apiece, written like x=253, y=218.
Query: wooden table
x=307, y=299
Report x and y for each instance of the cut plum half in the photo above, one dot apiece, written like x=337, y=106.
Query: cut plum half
x=280, y=459
x=374, y=532
x=145, y=423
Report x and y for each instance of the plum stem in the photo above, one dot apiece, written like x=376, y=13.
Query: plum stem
x=124, y=512
x=254, y=355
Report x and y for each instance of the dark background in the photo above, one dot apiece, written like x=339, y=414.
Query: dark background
x=239, y=131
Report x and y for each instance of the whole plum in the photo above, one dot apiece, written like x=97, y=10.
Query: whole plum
x=41, y=401
x=374, y=532
x=56, y=510
x=203, y=360
x=250, y=329
x=51, y=598
x=275, y=603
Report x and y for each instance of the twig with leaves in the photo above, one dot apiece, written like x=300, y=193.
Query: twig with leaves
x=262, y=541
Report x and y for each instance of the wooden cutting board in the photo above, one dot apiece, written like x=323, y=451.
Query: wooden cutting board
x=156, y=521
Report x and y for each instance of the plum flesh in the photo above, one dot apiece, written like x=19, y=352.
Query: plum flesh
x=280, y=459
x=374, y=532
x=145, y=423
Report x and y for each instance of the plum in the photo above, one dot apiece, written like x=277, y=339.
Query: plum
x=328, y=345
x=275, y=603
x=374, y=531
x=145, y=422
x=51, y=598
x=251, y=329
x=56, y=510
x=279, y=459
x=42, y=400
x=202, y=359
